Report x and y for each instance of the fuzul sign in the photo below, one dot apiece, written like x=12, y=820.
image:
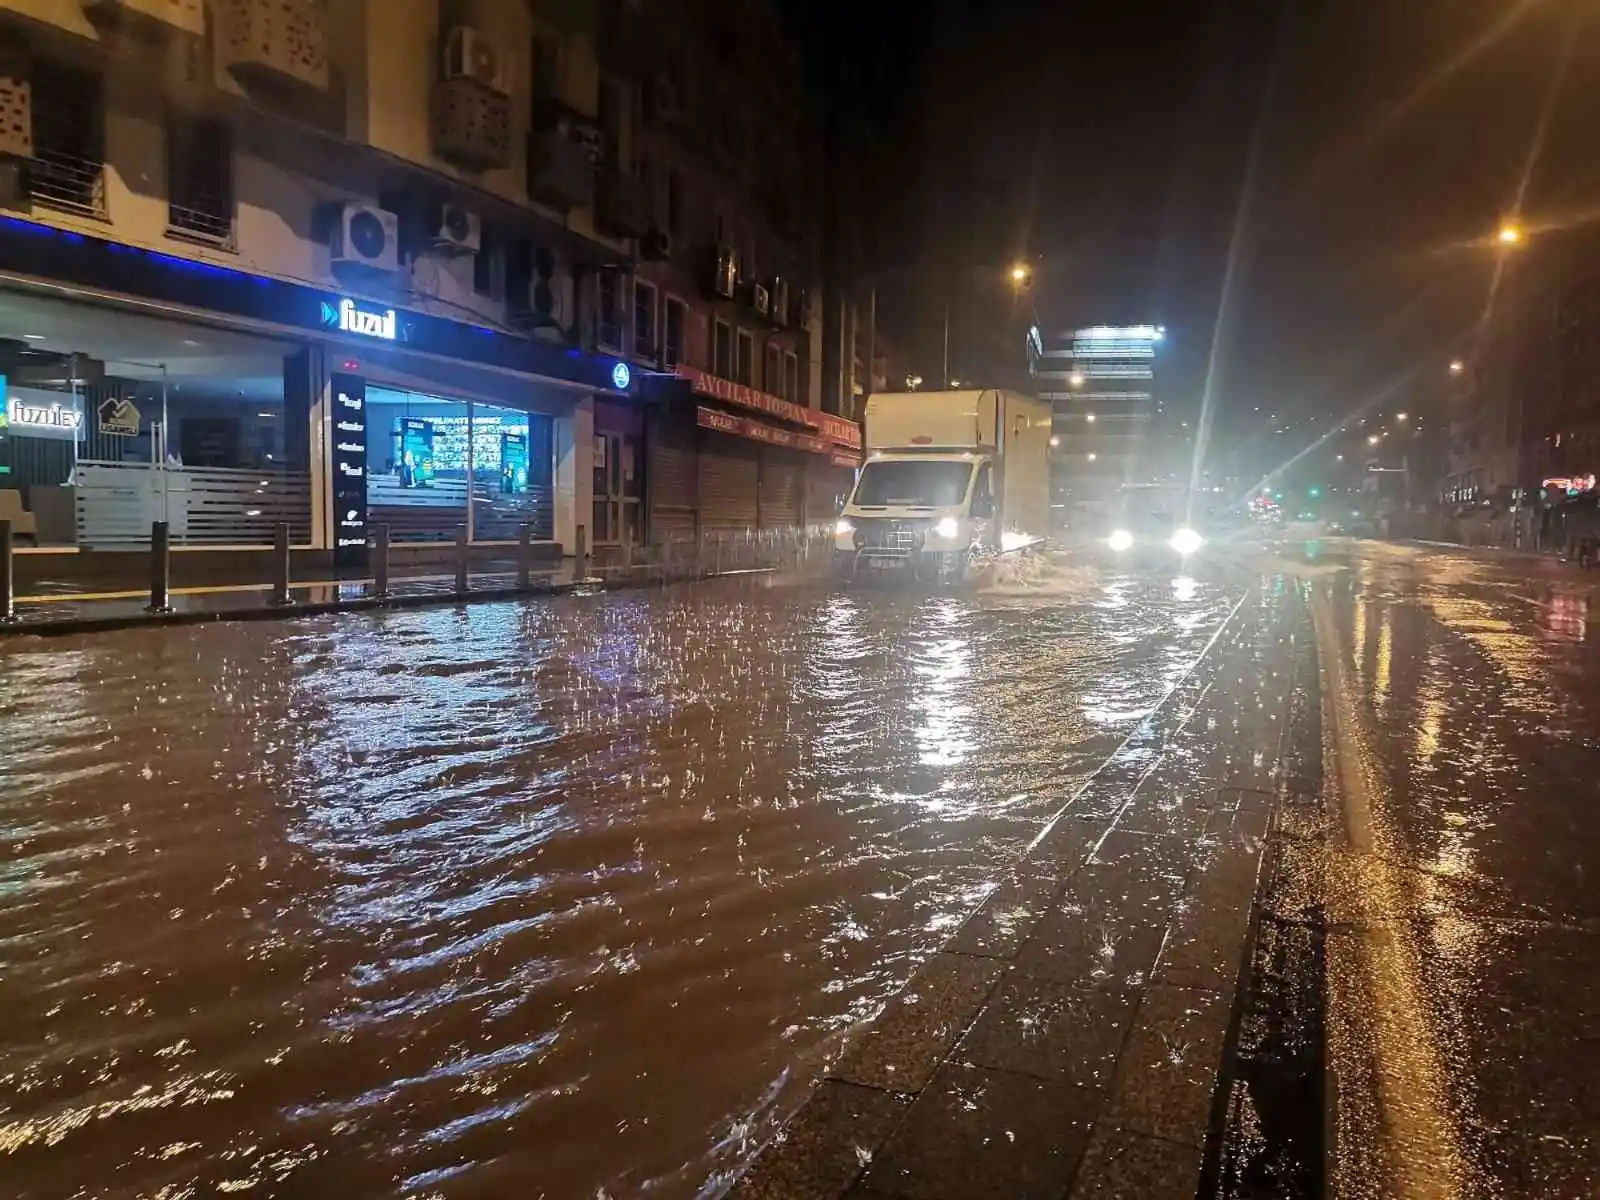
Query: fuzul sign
x=346, y=317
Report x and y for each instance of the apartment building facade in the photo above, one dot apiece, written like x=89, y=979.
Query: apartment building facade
x=336, y=265
x=726, y=304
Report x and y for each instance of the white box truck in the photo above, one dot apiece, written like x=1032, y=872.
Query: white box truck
x=950, y=479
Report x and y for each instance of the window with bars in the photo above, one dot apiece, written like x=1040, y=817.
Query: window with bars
x=200, y=179
x=608, y=317
x=747, y=359
x=676, y=322
x=644, y=320
x=69, y=139
x=772, y=375
x=488, y=265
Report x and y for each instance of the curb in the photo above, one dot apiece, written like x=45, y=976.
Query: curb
x=65, y=626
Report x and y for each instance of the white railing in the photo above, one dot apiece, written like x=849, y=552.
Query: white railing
x=219, y=506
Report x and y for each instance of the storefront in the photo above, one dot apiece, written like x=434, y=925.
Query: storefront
x=724, y=457
x=116, y=419
x=140, y=387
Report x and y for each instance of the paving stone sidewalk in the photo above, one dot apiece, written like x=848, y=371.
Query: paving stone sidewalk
x=1067, y=1040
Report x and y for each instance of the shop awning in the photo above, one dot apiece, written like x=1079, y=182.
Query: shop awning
x=831, y=430
x=772, y=435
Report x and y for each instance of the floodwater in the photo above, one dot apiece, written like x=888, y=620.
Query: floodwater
x=565, y=898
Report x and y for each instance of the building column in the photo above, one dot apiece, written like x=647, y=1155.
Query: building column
x=574, y=475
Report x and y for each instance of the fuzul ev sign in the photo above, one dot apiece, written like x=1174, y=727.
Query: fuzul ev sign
x=348, y=318
x=44, y=416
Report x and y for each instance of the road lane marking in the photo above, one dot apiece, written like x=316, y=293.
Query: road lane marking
x=1421, y=1154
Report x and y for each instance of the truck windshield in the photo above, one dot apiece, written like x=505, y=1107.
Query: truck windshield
x=934, y=483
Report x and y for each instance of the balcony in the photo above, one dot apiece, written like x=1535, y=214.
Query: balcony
x=619, y=205
x=471, y=124
x=560, y=170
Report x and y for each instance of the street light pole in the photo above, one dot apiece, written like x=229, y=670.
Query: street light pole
x=946, y=375
x=872, y=339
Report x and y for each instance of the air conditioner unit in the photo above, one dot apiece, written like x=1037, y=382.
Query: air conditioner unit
x=182, y=16
x=656, y=245
x=456, y=230
x=760, y=299
x=540, y=291
x=468, y=54
x=725, y=272
x=366, y=236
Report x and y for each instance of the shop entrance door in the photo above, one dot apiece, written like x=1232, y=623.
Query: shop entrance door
x=618, y=489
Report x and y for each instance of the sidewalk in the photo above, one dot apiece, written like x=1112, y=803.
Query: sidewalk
x=61, y=605
x=1069, y=1039
x=51, y=616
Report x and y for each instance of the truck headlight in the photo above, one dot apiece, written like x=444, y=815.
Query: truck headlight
x=843, y=527
x=1120, y=540
x=948, y=528
x=1186, y=541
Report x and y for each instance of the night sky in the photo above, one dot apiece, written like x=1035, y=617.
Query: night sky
x=1348, y=158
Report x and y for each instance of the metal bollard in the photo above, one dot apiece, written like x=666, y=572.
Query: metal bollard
x=581, y=551
x=461, y=561
x=8, y=576
x=160, y=568
x=525, y=557
x=380, y=562
x=280, y=564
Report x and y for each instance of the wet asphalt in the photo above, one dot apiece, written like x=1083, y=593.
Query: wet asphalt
x=374, y=905
x=1463, y=889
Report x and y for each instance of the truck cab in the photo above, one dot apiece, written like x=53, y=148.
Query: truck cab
x=950, y=479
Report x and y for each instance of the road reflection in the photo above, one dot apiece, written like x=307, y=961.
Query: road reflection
x=577, y=893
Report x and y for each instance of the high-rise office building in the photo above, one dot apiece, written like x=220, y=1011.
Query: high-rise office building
x=1101, y=380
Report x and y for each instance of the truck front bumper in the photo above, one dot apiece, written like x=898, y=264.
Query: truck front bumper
x=929, y=565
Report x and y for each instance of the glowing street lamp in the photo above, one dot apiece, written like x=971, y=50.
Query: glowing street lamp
x=1372, y=439
x=1076, y=379
x=1089, y=417
x=1402, y=416
x=1457, y=366
x=1510, y=234
x=1021, y=273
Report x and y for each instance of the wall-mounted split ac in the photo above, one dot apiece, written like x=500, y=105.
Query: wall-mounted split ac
x=468, y=54
x=366, y=236
x=455, y=230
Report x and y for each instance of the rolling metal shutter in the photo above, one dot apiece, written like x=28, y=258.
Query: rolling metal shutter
x=827, y=486
x=782, y=488
x=730, y=472
x=670, y=470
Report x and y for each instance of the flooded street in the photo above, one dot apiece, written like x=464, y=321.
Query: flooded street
x=560, y=898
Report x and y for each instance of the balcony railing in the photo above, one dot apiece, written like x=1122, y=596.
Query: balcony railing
x=65, y=181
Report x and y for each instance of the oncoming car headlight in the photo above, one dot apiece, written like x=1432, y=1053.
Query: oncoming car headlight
x=843, y=526
x=1120, y=540
x=947, y=528
x=1186, y=541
